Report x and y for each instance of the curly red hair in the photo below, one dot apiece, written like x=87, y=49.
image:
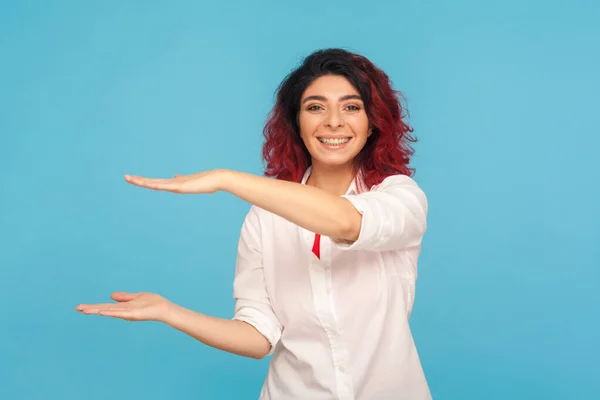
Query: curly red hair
x=387, y=151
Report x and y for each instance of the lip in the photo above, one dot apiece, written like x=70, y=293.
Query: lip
x=334, y=147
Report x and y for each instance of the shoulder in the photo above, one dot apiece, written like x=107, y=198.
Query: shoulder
x=252, y=228
x=256, y=216
x=257, y=212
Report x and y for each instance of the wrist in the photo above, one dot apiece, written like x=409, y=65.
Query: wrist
x=225, y=178
x=170, y=314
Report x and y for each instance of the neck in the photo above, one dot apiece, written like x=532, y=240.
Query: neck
x=334, y=180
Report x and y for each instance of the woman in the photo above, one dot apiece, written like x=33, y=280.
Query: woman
x=327, y=257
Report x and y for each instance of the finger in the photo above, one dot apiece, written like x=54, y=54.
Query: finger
x=134, y=178
x=90, y=310
x=124, y=296
x=82, y=307
x=155, y=184
x=144, y=180
x=95, y=310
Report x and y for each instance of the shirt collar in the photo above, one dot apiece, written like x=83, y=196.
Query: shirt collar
x=352, y=189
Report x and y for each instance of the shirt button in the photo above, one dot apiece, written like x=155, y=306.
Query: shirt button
x=340, y=368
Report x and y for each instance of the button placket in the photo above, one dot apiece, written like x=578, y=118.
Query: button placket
x=339, y=352
x=322, y=288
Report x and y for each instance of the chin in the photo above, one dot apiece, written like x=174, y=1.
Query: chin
x=333, y=161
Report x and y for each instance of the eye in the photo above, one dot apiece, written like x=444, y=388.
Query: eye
x=353, y=107
x=313, y=107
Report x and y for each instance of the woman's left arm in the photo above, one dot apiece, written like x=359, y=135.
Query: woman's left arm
x=391, y=216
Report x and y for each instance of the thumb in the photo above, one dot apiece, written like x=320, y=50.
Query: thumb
x=123, y=296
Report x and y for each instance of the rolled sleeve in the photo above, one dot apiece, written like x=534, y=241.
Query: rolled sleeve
x=261, y=317
x=394, y=216
x=253, y=304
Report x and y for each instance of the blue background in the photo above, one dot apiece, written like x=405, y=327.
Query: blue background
x=502, y=95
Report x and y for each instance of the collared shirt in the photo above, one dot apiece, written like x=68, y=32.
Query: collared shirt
x=336, y=314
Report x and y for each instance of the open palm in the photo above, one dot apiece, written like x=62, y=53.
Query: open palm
x=130, y=307
x=202, y=182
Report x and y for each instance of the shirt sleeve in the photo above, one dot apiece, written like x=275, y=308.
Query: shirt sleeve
x=253, y=304
x=394, y=216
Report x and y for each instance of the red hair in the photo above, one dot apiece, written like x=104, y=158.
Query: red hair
x=387, y=151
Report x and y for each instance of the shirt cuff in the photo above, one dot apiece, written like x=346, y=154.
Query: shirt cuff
x=261, y=322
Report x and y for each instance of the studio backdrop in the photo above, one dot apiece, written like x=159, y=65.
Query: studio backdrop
x=502, y=96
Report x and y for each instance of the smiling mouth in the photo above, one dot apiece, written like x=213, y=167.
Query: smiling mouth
x=334, y=142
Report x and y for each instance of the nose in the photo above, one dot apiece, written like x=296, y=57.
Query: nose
x=334, y=119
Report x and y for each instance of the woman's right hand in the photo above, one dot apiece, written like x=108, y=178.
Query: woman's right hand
x=131, y=307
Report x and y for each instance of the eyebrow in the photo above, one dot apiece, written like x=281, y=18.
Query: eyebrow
x=343, y=98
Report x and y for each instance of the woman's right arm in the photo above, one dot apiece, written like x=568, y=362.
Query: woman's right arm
x=233, y=336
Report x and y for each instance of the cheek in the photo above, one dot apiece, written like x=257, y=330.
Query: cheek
x=360, y=121
x=307, y=124
x=361, y=128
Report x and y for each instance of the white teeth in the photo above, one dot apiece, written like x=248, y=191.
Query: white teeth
x=334, y=142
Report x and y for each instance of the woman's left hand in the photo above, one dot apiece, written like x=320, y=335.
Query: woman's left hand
x=200, y=183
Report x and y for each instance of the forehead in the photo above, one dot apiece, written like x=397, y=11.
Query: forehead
x=330, y=86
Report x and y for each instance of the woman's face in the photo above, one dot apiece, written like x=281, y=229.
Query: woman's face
x=333, y=123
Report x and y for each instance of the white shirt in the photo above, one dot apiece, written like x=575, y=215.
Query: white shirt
x=337, y=323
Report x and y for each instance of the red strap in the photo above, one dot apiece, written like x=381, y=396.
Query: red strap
x=317, y=246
